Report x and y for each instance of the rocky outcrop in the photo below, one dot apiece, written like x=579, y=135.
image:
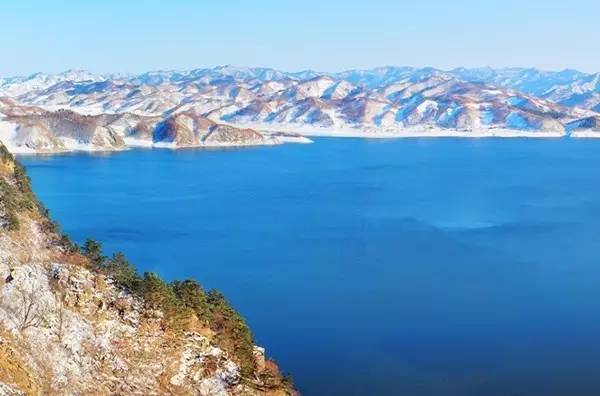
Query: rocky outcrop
x=189, y=129
x=183, y=129
x=226, y=135
x=67, y=326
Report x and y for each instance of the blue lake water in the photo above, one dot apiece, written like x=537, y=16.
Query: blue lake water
x=432, y=267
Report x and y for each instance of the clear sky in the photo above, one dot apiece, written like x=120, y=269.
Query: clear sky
x=135, y=36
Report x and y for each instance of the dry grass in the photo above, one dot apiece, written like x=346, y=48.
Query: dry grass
x=13, y=371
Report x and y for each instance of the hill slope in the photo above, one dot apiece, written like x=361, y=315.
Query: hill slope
x=75, y=322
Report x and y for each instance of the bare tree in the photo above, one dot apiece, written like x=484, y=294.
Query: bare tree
x=29, y=312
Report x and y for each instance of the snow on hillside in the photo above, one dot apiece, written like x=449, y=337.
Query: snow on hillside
x=385, y=101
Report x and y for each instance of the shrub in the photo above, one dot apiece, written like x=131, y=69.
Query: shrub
x=49, y=226
x=12, y=221
x=5, y=155
x=22, y=179
x=9, y=194
x=16, y=196
x=9, y=200
x=67, y=244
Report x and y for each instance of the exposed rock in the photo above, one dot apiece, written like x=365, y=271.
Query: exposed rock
x=228, y=135
x=259, y=355
x=183, y=129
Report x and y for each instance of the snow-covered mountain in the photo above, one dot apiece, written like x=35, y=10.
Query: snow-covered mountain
x=30, y=129
x=15, y=86
x=179, y=108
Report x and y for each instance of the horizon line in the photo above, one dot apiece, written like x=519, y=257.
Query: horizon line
x=184, y=70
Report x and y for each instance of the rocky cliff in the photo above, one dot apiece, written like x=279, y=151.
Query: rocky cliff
x=75, y=322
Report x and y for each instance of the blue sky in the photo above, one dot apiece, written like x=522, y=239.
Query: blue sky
x=135, y=36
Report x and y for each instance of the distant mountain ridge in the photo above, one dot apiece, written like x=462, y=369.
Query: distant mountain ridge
x=528, y=80
x=379, y=102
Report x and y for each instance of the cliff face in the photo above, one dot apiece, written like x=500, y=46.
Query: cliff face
x=75, y=322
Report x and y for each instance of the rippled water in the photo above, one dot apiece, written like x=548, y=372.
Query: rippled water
x=412, y=266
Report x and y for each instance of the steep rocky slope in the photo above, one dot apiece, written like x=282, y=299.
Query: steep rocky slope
x=75, y=322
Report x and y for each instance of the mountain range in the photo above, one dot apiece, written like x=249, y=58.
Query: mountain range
x=229, y=105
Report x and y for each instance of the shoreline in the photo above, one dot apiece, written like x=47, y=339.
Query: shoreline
x=138, y=144
x=392, y=133
x=292, y=134
x=585, y=134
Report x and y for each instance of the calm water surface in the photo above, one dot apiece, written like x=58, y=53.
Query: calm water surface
x=431, y=267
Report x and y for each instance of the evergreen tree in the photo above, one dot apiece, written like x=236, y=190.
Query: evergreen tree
x=157, y=294
x=192, y=296
x=123, y=272
x=93, y=250
x=232, y=332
